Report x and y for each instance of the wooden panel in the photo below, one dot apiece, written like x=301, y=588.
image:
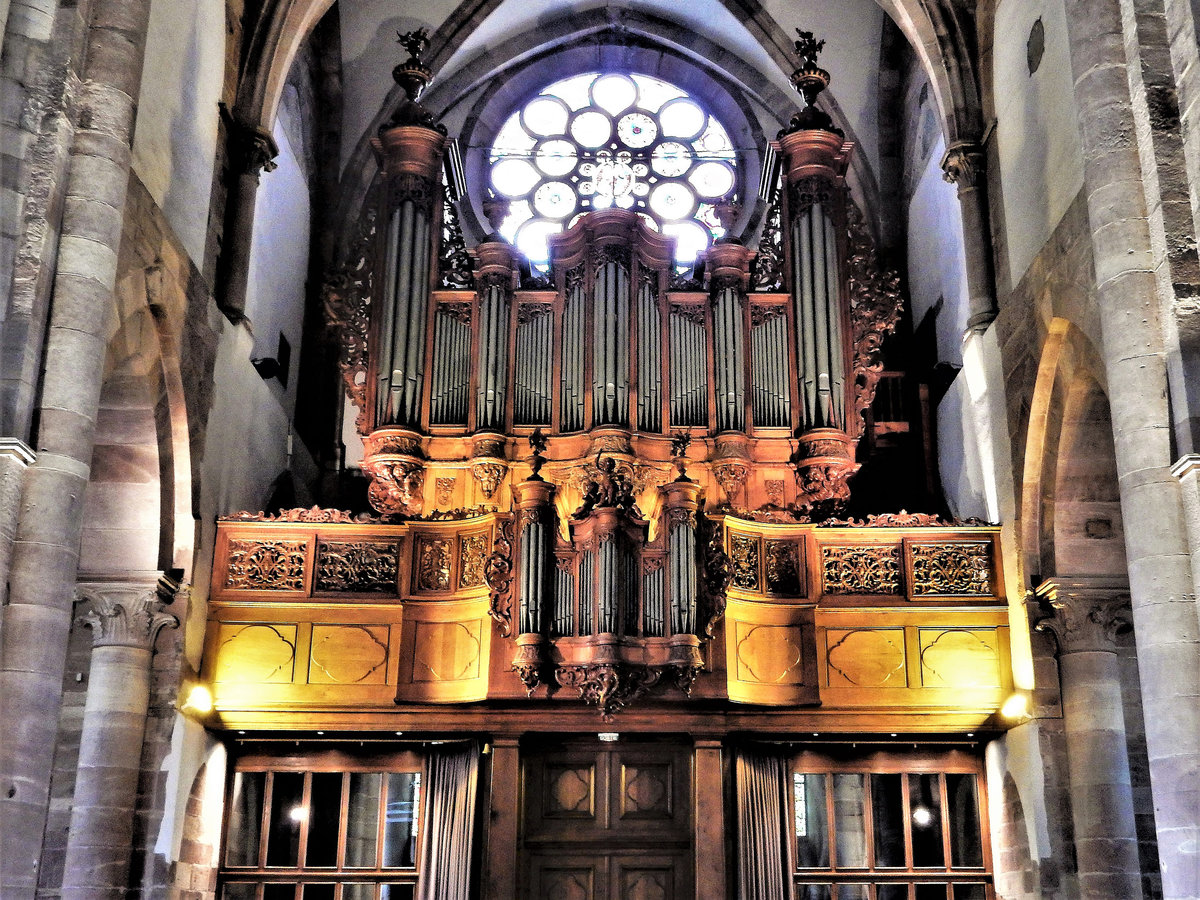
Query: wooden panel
x=865, y=657
x=960, y=658
x=348, y=654
x=646, y=879
x=260, y=653
x=569, y=791
x=950, y=568
x=558, y=878
x=444, y=651
x=771, y=655
x=646, y=791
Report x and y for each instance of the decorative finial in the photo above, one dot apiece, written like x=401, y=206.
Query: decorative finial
x=728, y=209
x=413, y=75
x=680, y=441
x=496, y=210
x=810, y=79
x=417, y=42
x=537, y=443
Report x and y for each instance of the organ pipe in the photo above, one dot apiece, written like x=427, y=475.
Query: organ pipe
x=649, y=360
x=494, y=276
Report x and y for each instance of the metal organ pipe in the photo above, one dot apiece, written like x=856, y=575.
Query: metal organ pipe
x=649, y=361
x=492, y=366
x=818, y=319
x=730, y=349
x=572, y=361
x=564, y=602
x=610, y=348
x=684, y=577
x=533, y=573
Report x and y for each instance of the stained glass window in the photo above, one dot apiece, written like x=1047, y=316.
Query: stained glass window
x=595, y=141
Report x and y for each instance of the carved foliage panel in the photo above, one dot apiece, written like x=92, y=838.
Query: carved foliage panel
x=357, y=566
x=951, y=568
x=861, y=569
x=745, y=552
x=450, y=562
x=266, y=565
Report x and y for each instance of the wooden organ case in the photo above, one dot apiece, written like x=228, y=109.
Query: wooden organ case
x=609, y=500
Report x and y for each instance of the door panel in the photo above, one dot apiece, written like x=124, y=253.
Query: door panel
x=608, y=821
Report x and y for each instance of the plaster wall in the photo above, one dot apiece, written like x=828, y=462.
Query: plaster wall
x=174, y=146
x=936, y=260
x=1037, y=128
x=279, y=253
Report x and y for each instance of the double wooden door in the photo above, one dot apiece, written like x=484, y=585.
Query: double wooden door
x=607, y=820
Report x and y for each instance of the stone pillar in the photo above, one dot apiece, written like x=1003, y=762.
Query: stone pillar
x=252, y=151
x=45, y=553
x=964, y=166
x=125, y=619
x=1087, y=614
x=15, y=457
x=1130, y=306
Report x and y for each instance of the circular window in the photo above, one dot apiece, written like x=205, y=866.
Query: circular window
x=596, y=141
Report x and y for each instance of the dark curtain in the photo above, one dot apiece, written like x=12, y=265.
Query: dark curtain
x=449, y=823
x=764, y=851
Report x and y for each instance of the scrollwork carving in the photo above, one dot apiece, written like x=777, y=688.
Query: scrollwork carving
x=434, y=558
x=356, y=566
x=875, y=304
x=718, y=573
x=744, y=551
x=952, y=569
x=783, y=568
x=472, y=554
x=870, y=569
x=497, y=572
x=489, y=475
x=766, y=275
x=455, y=269
x=608, y=687
x=397, y=486
x=312, y=515
x=266, y=565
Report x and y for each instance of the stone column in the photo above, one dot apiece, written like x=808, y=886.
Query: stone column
x=125, y=618
x=15, y=457
x=964, y=166
x=1160, y=577
x=45, y=552
x=252, y=151
x=1087, y=615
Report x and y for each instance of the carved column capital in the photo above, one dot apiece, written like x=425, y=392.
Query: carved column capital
x=1085, y=614
x=125, y=613
x=964, y=164
x=252, y=149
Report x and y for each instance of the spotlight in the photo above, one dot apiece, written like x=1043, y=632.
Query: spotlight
x=922, y=816
x=199, y=700
x=1015, y=707
x=298, y=813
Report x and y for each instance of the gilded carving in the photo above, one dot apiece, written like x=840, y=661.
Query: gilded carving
x=455, y=269
x=866, y=569
x=783, y=568
x=472, y=553
x=744, y=551
x=691, y=312
x=489, y=475
x=952, y=569
x=397, y=486
x=774, y=488
x=718, y=573
x=356, y=566
x=346, y=296
x=609, y=688
x=497, y=572
x=445, y=490
x=266, y=565
x=875, y=304
x=732, y=478
x=312, y=515
x=767, y=272
x=434, y=557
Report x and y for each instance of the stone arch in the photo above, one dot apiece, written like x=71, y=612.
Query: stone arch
x=1068, y=456
x=941, y=34
x=141, y=461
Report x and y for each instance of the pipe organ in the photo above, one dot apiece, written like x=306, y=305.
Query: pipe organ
x=616, y=480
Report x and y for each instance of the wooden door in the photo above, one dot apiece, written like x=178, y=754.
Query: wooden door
x=607, y=821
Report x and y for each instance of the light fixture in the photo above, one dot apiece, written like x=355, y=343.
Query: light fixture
x=608, y=736
x=298, y=813
x=199, y=701
x=922, y=816
x=1015, y=707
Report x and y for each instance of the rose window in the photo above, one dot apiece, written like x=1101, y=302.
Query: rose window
x=595, y=141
